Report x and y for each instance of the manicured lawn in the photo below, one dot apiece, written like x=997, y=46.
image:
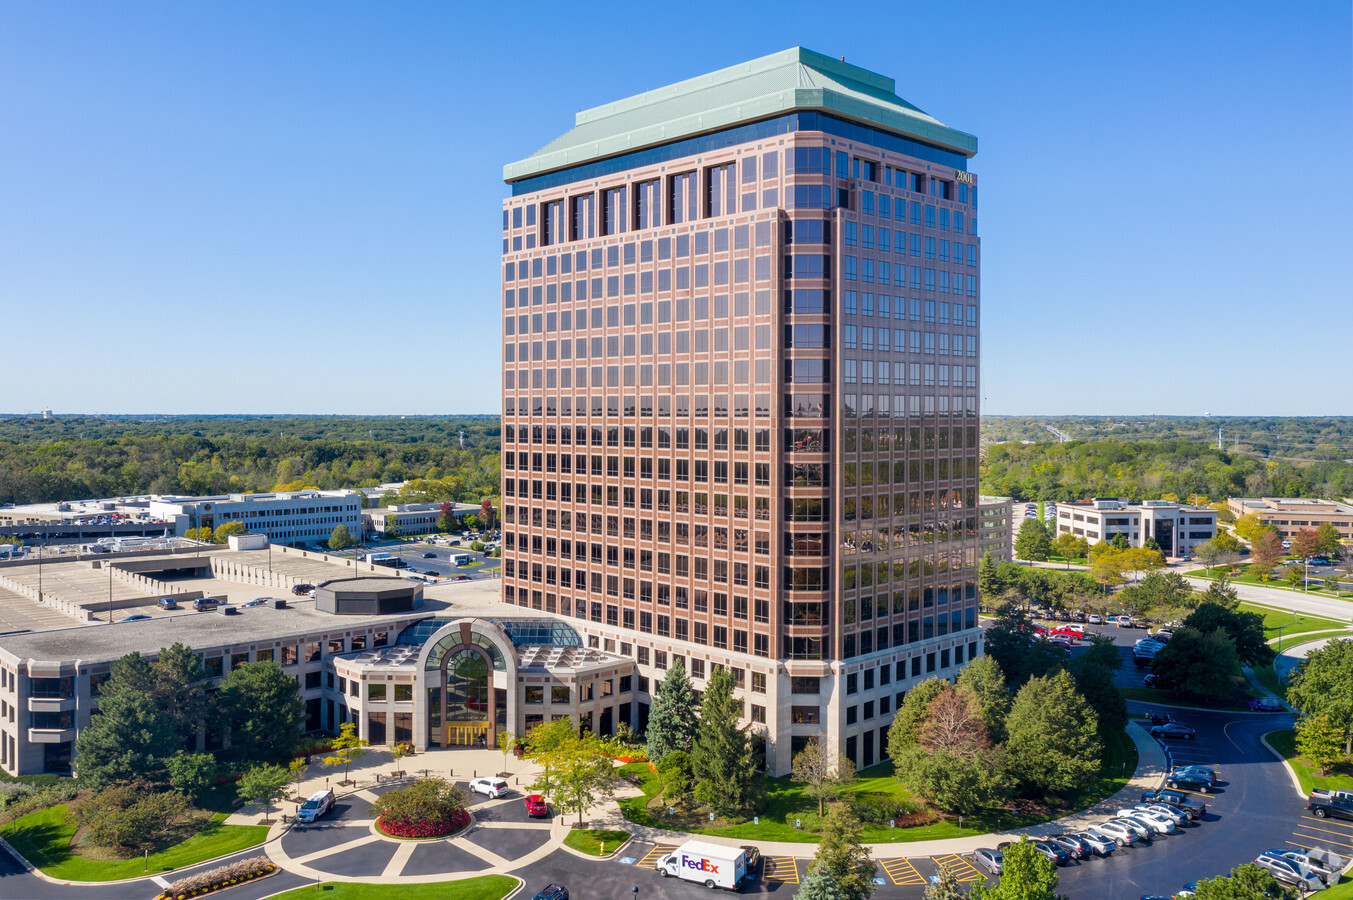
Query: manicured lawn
x=1304, y=637
x=486, y=887
x=787, y=800
x=44, y=837
x=1275, y=581
x=1285, y=742
x=594, y=841
x=1292, y=623
x=1166, y=698
x=1342, y=891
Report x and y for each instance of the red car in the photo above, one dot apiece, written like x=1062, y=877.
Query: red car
x=1067, y=634
x=536, y=807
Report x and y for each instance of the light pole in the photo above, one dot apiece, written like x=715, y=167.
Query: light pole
x=110, y=591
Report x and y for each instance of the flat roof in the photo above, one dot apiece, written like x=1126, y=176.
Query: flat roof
x=199, y=630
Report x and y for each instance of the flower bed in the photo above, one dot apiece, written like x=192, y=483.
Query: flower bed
x=240, y=872
x=404, y=828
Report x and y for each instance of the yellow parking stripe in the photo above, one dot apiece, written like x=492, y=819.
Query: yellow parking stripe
x=901, y=871
x=781, y=868
x=1337, y=824
x=651, y=857
x=1316, y=837
x=1326, y=822
x=960, y=868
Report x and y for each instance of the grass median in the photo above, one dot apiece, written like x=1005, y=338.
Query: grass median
x=594, y=841
x=485, y=887
x=44, y=838
x=1285, y=742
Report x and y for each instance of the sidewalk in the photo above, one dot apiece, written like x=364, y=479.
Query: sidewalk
x=375, y=768
x=1149, y=774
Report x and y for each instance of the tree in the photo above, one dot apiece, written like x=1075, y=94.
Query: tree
x=505, y=742
x=1159, y=590
x=1136, y=560
x=1293, y=575
x=263, y=783
x=542, y=740
x=1220, y=593
x=581, y=774
x=945, y=887
x=1052, y=739
x=954, y=724
x=128, y=815
x=672, y=720
x=191, y=774
x=123, y=741
x=398, y=751
x=487, y=514
x=989, y=581
x=1197, y=662
x=179, y=686
x=1244, y=883
x=674, y=774
x=1319, y=741
x=1323, y=685
x=823, y=778
x=953, y=782
x=1306, y=543
x=1026, y=874
x=433, y=803
x=1266, y=551
x=1094, y=682
x=1070, y=546
x=265, y=711
x=1032, y=542
x=447, y=520
x=1246, y=630
x=1107, y=567
x=819, y=885
x=905, y=731
x=346, y=749
x=843, y=856
x=1249, y=527
x=1327, y=537
x=1018, y=650
x=202, y=535
x=983, y=676
x=721, y=758
x=223, y=532
x=296, y=774
x=341, y=538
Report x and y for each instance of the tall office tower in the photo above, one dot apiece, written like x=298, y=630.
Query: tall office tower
x=740, y=420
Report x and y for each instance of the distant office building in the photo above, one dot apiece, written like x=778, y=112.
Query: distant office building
x=411, y=518
x=740, y=409
x=288, y=517
x=1177, y=530
x=1289, y=514
x=995, y=527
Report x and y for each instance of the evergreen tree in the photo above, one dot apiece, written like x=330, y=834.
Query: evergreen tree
x=721, y=758
x=1320, y=742
x=180, y=689
x=843, y=856
x=989, y=580
x=1026, y=874
x=123, y=740
x=819, y=885
x=983, y=676
x=1051, y=736
x=1032, y=542
x=911, y=715
x=672, y=720
x=265, y=711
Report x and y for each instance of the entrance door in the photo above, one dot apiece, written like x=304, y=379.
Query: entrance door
x=466, y=696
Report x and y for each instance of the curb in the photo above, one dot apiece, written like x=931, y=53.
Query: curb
x=629, y=836
x=1291, y=773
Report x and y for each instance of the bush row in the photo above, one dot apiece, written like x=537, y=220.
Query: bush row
x=19, y=799
x=215, y=879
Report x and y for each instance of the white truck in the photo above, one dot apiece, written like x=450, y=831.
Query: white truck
x=713, y=865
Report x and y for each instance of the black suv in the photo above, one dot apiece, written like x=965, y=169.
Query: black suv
x=552, y=892
x=1195, y=808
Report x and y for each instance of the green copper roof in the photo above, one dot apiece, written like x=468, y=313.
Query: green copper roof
x=796, y=79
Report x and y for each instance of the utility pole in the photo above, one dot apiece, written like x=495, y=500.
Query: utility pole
x=1219, y=446
x=462, y=440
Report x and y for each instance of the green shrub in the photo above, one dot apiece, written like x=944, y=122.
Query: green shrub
x=425, y=800
x=878, y=808
x=127, y=816
x=22, y=799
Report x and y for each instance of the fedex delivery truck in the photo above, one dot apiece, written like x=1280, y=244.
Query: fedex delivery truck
x=714, y=865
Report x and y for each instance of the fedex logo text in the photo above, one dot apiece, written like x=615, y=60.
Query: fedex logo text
x=699, y=863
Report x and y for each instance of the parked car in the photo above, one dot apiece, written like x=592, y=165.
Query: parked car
x=257, y=601
x=1143, y=831
x=205, y=603
x=1289, y=872
x=462, y=578
x=429, y=555
x=1199, y=770
x=1074, y=846
x=1179, y=816
x=1173, y=730
x=300, y=589
x=1158, y=718
x=1157, y=822
x=536, y=807
x=1200, y=783
x=1099, y=844
x=167, y=603
x=552, y=892
x=1322, y=868
x=1330, y=804
x=1149, y=680
x=1266, y=704
x=989, y=859
x=1095, y=620
x=492, y=788
x=1183, y=801
x=134, y=618
x=1117, y=832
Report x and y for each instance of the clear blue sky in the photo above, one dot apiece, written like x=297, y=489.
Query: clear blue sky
x=294, y=207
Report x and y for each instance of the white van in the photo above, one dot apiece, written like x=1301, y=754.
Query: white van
x=316, y=805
